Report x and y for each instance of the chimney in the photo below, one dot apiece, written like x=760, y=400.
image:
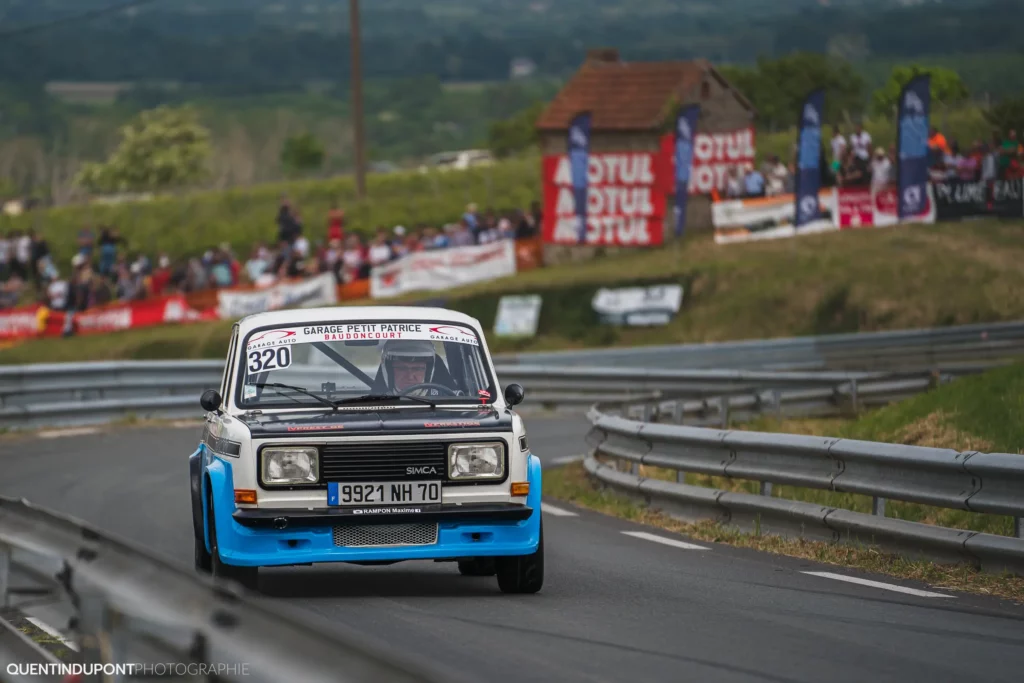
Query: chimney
x=603, y=54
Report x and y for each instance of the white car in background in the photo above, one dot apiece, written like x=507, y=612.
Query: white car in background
x=458, y=161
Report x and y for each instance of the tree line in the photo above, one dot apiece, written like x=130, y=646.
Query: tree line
x=239, y=51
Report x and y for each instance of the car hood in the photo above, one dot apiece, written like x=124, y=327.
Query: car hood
x=389, y=421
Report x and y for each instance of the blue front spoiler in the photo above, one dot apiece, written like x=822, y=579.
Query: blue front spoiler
x=244, y=546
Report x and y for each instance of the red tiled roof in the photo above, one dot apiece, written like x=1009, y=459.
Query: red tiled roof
x=622, y=95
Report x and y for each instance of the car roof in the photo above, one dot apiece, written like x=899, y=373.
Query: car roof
x=297, y=316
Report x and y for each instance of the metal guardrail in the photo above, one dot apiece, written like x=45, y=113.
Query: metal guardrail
x=990, y=483
x=900, y=349
x=133, y=608
x=69, y=394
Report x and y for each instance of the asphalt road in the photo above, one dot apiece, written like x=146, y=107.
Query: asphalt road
x=614, y=607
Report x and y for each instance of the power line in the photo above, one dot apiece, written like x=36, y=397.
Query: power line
x=75, y=18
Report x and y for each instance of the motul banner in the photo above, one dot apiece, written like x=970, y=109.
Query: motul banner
x=715, y=155
x=626, y=198
x=316, y=291
x=443, y=269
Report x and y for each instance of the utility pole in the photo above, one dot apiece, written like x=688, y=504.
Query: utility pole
x=357, y=99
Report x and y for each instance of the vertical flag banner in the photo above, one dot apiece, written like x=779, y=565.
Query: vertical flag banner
x=579, y=158
x=808, y=166
x=912, y=146
x=686, y=129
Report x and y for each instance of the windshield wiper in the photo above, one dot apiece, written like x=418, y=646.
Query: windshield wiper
x=384, y=397
x=301, y=390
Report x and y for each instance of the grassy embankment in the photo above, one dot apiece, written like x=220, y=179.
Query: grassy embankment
x=863, y=280
x=188, y=225
x=975, y=413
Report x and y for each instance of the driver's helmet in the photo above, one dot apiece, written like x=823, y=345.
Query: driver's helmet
x=406, y=353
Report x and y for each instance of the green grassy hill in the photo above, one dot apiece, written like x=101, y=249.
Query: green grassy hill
x=860, y=280
x=190, y=224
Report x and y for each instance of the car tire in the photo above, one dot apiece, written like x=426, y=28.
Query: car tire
x=203, y=559
x=478, y=566
x=523, y=573
x=247, y=576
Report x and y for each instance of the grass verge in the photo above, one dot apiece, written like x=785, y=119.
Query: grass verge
x=571, y=484
x=855, y=280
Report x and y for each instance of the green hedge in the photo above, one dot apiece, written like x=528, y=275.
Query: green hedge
x=187, y=225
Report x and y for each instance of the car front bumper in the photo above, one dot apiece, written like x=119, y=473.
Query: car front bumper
x=248, y=537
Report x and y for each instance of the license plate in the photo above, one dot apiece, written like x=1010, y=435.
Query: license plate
x=384, y=493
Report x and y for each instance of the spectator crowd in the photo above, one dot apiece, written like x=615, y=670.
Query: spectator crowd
x=104, y=269
x=853, y=163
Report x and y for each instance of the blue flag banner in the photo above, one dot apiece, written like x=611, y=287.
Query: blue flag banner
x=912, y=146
x=808, y=165
x=686, y=129
x=579, y=158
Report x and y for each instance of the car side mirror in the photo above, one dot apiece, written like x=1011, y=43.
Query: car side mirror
x=210, y=401
x=514, y=394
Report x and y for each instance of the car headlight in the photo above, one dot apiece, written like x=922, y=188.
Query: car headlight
x=476, y=461
x=290, y=466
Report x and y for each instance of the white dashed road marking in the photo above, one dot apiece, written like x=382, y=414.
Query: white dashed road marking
x=666, y=541
x=557, y=512
x=879, y=584
x=51, y=631
x=70, y=431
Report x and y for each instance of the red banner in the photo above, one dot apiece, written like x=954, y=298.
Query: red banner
x=627, y=193
x=856, y=208
x=34, y=321
x=862, y=207
x=715, y=155
x=626, y=199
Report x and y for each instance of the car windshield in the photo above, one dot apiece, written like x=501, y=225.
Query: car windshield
x=356, y=362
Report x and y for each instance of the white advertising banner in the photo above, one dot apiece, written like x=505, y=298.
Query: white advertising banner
x=443, y=269
x=517, y=316
x=766, y=218
x=638, y=306
x=317, y=291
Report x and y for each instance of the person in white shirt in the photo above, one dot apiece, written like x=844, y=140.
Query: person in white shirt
x=734, y=183
x=23, y=254
x=777, y=176
x=380, y=250
x=881, y=167
x=5, y=257
x=57, y=294
x=838, y=144
x=860, y=141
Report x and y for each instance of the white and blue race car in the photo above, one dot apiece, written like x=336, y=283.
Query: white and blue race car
x=366, y=435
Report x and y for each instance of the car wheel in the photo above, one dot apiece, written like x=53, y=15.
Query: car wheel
x=203, y=559
x=247, y=576
x=478, y=566
x=522, y=574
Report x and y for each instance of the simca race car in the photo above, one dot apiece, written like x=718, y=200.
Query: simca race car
x=365, y=435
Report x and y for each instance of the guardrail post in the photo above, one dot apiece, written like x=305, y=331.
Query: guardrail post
x=854, y=400
x=5, y=576
x=878, y=506
x=1018, y=527
x=681, y=477
x=723, y=411
x=94, y=639
x=766, y=488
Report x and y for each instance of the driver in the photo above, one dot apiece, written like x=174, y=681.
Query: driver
x=409, y=362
